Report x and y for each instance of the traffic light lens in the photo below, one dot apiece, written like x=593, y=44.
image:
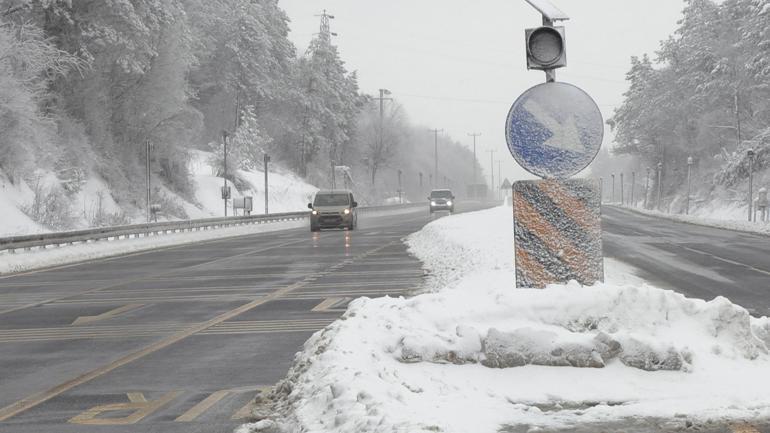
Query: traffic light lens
x=545, y=45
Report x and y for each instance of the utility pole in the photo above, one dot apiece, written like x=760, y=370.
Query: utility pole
x=421, y=190
x=474, y=135
x=147, y=143
x=750, y=154
x=492, y=168
x=660, y=182
x=325, y=29
x=633, y=186
x=382, y=100
x=435, y=151
x=224, y=190
x=266, y=159
x=646, y=187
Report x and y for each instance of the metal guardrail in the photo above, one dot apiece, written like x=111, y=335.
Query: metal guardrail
x=41, y=240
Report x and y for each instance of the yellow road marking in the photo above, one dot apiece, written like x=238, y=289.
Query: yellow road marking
x=107, y=315
x=248, y=409
x=121, y=332
x=41, y=397
x=138, y=404
x=743, y=428
x=203, y=406
x=326, y=304
x=136, y=397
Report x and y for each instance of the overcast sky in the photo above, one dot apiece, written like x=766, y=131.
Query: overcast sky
x=459, y=65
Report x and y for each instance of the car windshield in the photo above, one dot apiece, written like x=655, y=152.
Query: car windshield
x=331, y=200
x=441, y=194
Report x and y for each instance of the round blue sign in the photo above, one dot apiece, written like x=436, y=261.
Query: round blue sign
x=554, y=130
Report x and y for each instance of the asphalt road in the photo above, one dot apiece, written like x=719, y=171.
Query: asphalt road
x=181, y=339
x=700, y=262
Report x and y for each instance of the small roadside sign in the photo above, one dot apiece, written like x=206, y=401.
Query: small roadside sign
x=554, y=130
x=506, y=184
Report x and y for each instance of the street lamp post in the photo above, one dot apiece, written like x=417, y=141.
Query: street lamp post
x=400, y=201
x=622, y=194
x=147, y=143
x=224, y=190
x=266, y=159
x=689, y=176
x=646, y=187
x=660, y=176
x=750, y=154
x=612, y=198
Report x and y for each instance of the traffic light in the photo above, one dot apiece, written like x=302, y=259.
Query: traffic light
x=546, y=48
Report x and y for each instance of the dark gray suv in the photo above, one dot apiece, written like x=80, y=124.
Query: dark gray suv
x=441, y=199
x=333, y=209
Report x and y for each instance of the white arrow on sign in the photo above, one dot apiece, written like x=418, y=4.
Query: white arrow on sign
x=563, y=135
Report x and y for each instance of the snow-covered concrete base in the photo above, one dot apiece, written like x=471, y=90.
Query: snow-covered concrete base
x=474, y=354
x=54, y=256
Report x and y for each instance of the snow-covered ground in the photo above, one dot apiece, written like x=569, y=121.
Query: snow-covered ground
x=288, y=193
x=474, y=354
x=12, y=198
x=721, y=217
x=54, y=256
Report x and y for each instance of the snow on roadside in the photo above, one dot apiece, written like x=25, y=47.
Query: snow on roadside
x=12, y=198
x=288, y=193
x=476, y=355
x=728, y=224
x=38, y=259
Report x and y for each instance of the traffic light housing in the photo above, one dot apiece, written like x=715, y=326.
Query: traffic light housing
x=546, y=48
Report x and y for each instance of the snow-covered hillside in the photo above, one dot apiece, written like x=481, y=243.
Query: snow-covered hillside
x=287, y=192
x=93, y=203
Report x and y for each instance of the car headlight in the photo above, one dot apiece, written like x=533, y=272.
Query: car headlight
x=314, y=212
x=449, y=203
x=432, y=203
x=346, y=211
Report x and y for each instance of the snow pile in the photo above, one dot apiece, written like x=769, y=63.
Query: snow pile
x=482, y=356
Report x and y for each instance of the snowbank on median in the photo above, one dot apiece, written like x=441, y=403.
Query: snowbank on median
x=478, y=354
